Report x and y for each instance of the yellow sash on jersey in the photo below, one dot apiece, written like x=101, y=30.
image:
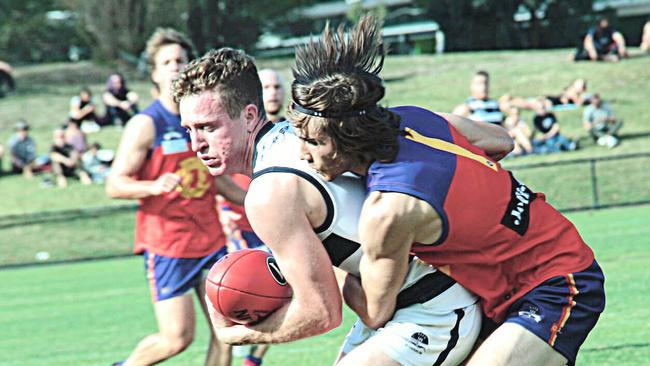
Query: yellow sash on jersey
x=442, y=145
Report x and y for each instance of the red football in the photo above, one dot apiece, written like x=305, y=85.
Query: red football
x=247, y=286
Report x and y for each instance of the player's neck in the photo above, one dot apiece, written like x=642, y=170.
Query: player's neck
x=361, y=169
x=250, y=146
x=167, y=100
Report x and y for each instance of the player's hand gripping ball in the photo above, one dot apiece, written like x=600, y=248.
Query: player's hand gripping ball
x=247, y=286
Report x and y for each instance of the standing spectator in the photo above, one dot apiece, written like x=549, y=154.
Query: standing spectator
x=23, y=151
x=602, y=43
x=645, y=37
x=121, y=103
x=96, y=162
x=66, y=161
x=480, y=107
x=82, y=111
x=599, y=120
x=551, y=140
x=519, y=131
x=273, y=94
x=177, y=225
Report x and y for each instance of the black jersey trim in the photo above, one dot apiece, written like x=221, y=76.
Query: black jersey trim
x=453, y=340
x=425, y=289
x=339, y=248
x=329, y=204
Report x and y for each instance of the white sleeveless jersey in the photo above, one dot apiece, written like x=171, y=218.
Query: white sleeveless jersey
x=278, y=151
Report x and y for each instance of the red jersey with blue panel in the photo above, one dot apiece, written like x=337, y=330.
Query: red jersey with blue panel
x=184, y=222
x=499, y=239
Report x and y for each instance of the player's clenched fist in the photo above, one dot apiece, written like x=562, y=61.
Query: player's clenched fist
x=165, y=183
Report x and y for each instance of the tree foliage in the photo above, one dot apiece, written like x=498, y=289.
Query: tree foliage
x=490, y=24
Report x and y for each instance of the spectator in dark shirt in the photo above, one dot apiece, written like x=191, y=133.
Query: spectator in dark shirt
x=602, y=43
x=121, y=103
x=551, y=140
x=66, y=161
x=82, y=111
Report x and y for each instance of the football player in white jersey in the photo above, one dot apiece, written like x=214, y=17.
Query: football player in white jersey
x=221, y=106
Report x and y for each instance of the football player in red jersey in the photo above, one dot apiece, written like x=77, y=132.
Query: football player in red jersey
x=428, y=185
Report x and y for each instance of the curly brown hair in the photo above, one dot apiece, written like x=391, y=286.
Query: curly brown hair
x=336, y=74
x=231, y=73
x=165, y=36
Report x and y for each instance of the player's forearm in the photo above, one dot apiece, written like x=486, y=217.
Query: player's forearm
x=289, y=323
x=381, y=281
x=124, y=187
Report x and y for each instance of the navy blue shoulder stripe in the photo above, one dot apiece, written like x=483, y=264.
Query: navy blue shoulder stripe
x=328, y=200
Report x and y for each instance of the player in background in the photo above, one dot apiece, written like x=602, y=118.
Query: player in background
x=428, y=185
x=177, y=227
x=273, y=94
x=221, y=106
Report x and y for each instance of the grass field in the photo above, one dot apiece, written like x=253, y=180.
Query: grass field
x=93, y=313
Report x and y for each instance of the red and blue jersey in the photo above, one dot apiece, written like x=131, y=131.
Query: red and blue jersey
x=499, y=239
x=184, y=222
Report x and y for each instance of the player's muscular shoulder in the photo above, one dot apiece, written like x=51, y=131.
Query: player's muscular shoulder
x=141, y=131
x=405, y=211
x=283, y=194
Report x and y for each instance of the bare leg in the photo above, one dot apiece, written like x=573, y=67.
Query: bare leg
x=219, y=354
x=176, y=320
x=512, y=344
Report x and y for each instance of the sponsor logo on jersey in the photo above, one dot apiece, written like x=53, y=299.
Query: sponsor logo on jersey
x=531, y=312
x=517, y=214
x=272, y=264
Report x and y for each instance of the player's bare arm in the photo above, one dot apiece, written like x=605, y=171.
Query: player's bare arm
x=492, y=139
x=230, y=190
x=389, y=224
x=284, y=218
x=136, y=141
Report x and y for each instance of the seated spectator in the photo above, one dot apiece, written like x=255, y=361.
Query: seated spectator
x=121, y=103
x=551, y=140
x=82, y=111
x=23, y=151
x=602, y=43
x=645, y=37
x=520, y=133
x=599, y=120
x=479, y=106
x=572, y=96
x=97, y=162
x=66, y=161
x=75, y=137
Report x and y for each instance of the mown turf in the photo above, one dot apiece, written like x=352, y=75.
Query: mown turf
x=93, y=313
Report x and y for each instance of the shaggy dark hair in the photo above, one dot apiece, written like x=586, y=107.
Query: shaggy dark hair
x=231, y=73
x=339, y=73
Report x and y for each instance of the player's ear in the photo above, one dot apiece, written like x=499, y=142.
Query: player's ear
x=251, y=116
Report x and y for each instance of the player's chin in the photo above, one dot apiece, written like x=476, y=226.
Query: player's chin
x=217, y=170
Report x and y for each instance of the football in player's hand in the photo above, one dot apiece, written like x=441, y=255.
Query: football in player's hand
x=247, y=286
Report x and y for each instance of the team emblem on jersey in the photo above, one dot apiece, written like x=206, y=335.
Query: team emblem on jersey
x=420, y=337
x=272, y=264
x=195, y=178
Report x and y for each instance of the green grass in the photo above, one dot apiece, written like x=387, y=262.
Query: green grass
x=93, y=313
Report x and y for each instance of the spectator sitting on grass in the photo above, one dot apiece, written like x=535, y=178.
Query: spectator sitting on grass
x=66, y=161
x=75, y=137
x=23, y=151
x=572, y=96
x=602, y=43
x=97, y=162
x=551, y=140
x=82, y=111
x=121, y=103
x=520, y=133
x=599, y=120
x=480, y=107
